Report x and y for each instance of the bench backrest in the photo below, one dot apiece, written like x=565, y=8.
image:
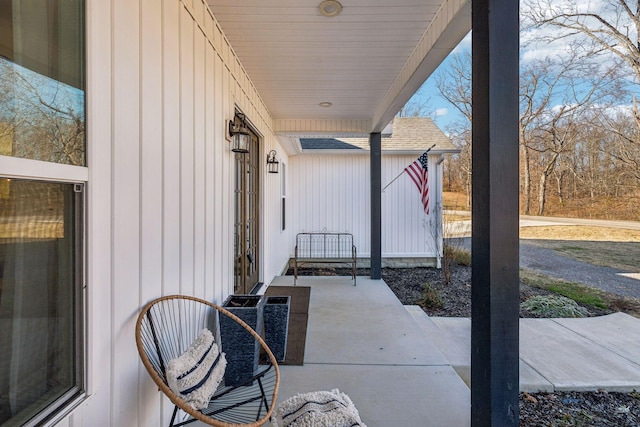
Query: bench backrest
x=324, y=245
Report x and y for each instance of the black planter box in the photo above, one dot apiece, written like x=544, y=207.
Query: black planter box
x=276, y=324
x=241, y=349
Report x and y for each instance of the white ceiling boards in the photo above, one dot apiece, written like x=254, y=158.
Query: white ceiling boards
x=366, y=61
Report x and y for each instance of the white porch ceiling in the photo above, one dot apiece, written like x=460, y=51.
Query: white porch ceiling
x=367, y=62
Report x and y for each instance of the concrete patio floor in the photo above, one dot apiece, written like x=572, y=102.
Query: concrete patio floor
x=402, y=368
x=363, y=341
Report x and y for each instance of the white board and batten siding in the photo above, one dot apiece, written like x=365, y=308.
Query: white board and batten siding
x=407, y=231
x=161, y=82
x=332, y=192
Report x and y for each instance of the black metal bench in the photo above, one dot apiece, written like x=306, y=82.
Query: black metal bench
x=325, y=248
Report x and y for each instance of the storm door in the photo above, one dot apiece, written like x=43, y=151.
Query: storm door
x=246, y=229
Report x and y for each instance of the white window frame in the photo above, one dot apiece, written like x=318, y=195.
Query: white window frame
x=27, y=169
x=283, y=197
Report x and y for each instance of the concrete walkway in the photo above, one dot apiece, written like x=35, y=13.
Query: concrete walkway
x=595, y=353
x=402, y=368
x=362, y=341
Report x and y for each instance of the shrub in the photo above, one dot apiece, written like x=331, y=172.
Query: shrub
x=452, y=255
x=430, y=297
x=580, y=293
x=553, y=306
x=460, y=255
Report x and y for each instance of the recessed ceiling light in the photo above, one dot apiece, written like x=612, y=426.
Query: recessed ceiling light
x=325, y=104
x=330, y=8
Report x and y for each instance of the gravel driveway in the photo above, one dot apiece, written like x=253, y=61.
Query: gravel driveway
x=554, y=264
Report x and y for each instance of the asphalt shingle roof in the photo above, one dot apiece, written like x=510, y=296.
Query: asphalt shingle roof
x=327, y=144
x=409, y=133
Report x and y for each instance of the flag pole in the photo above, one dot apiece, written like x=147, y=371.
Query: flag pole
x=393, y=180
x=403, y=171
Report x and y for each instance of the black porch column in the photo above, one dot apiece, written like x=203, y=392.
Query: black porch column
x=375, y=144
x=495, y=249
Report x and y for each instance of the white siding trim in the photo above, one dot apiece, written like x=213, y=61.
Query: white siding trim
x=125, y=209
x=14, y=167
x=309, y=127
x=99, y=216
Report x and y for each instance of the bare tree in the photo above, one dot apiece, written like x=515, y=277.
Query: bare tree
x=624, y=147
x=606, y=32
x=556, y=95
x=454, y=85
x=535, y=99
x=579, y=121
x=612, y=26
x=458, y=166
x=41, y=117
x=418, y=106
x=12, y=114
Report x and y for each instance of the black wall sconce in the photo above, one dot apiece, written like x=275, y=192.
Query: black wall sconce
x=272, y=162
x=239, y=134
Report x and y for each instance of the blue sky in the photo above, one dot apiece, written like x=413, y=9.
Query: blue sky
x=444, y=113
x=34, y=91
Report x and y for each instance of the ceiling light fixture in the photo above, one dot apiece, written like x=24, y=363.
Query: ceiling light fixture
x=330, y=8
x=325, y=104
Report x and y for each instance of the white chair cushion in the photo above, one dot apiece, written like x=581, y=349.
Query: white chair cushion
x=317, y=409
x=196, y=373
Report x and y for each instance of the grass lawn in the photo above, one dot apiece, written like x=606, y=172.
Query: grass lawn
x=581, y=293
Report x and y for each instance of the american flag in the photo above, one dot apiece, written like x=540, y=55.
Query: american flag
x=419, y=173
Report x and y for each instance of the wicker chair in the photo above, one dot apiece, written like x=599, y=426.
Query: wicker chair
x=165, y=328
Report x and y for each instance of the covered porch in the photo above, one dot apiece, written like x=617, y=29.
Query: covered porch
x=346, y=70
x=364, y=342
x=164, y=186
x=401, y=367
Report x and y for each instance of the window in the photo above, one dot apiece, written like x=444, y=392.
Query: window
x=42, y=81
x=283, y=192
x=42, y=117
x=40, y=297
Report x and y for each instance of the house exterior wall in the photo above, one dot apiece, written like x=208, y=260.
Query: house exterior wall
x=407, y=232
x=162, y=80
x=332, y=192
